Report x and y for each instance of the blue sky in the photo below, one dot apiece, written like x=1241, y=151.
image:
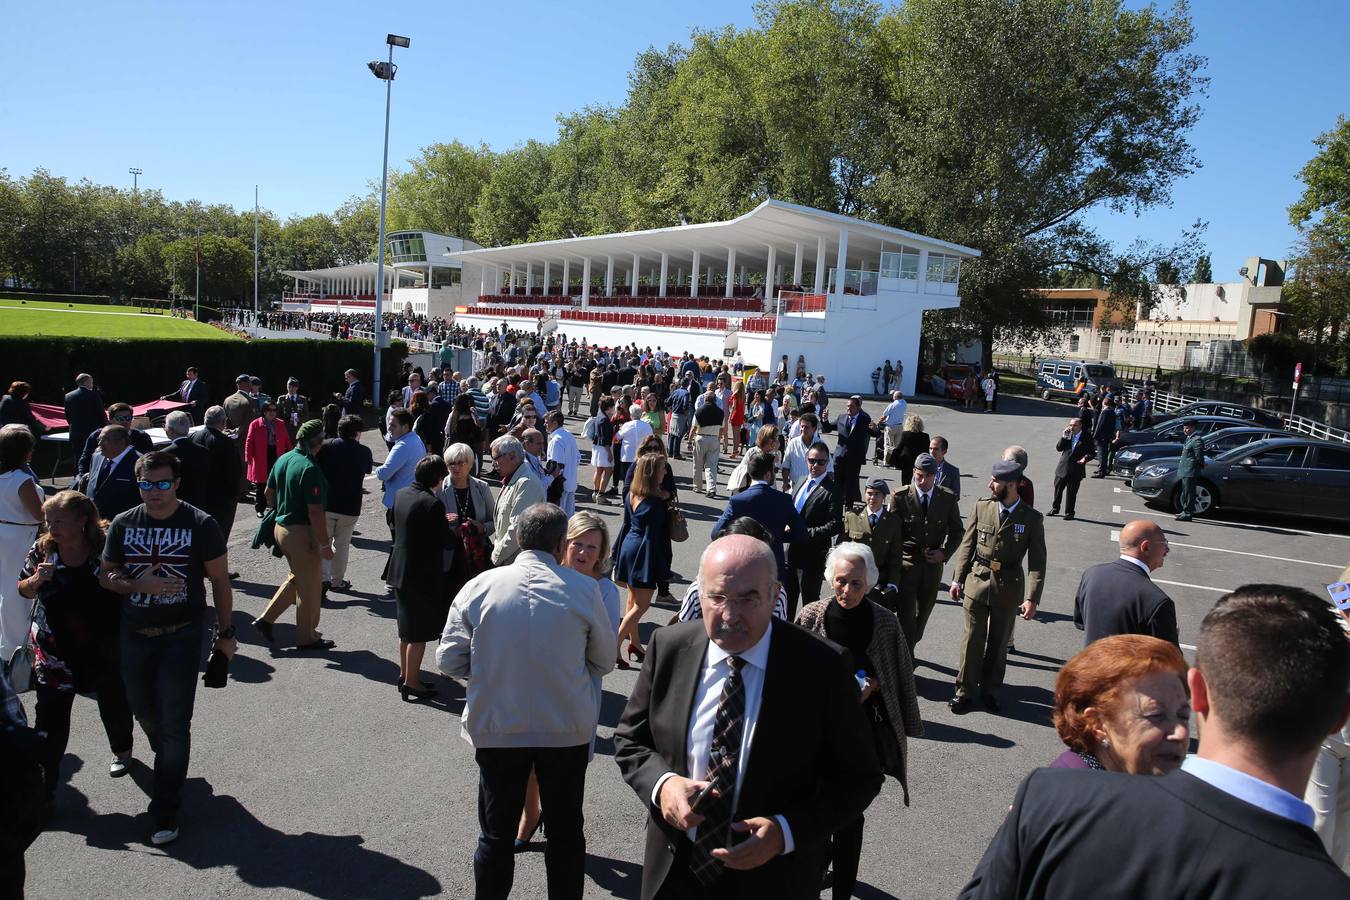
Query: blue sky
x=210, y=98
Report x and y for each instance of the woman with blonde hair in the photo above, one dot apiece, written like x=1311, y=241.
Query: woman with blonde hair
x=644, y=555
x=913, y=441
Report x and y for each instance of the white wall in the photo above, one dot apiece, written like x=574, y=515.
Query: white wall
x=1199, y=302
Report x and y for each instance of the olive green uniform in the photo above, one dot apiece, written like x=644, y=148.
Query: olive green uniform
x=1188, y=470
x=884, y=538
x=294, y=412
x=941, y=530
x=989, y=570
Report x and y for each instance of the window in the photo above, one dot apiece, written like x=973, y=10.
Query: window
x=1169, y=433
x=1047, y=369
x=901, y=264
x=1331, y=458
x=943, y=268
x=1281, y=457
x=1073, y=343
x=1063, y=369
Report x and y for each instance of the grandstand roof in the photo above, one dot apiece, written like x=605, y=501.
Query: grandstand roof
x=773, y=223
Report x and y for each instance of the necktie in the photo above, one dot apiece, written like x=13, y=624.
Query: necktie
x=872, y=519
x=923, y=503
x=804, y=493
x=723, y=759
x=1003, y=513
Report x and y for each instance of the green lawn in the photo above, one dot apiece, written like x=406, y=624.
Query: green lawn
x=94, y=320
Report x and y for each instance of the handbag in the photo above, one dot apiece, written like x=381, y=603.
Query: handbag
x=883, y=735
x=677, y=524
x=19, y=668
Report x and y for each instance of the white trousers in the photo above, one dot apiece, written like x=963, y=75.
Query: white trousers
x=707, y=449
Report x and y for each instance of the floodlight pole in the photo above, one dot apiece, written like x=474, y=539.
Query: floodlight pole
x=255, y=256
x=197, y=300
x=379, y=255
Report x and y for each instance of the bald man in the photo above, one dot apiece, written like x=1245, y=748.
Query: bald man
x=766, y=715
x=1119, y=597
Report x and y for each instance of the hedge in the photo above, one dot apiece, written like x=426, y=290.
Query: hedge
x=48, y=297
x=141, y=369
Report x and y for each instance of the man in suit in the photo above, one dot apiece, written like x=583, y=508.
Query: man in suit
x=851, y=452
x=882, y=530
x=932, y=531
x=112, y=474
x=194, y=462
x=821, y=506
x=353, y=400
x=987, y=578
x=1075, y=448
x=948, y=476
x=118, y=414
x=220, y=498
x=1231, y=823
x=1119, y=597
x=771, y=508
x=1105, y=435
x=84, y=412
x=744, y=740
x=193, y=392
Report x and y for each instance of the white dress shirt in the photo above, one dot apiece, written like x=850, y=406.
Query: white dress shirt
x=562, y=448
x=707, y=695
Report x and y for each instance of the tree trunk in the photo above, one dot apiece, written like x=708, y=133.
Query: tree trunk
x=986, y=347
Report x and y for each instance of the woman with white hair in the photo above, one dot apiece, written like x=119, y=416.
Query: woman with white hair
x=871, y=633
x=471, y=509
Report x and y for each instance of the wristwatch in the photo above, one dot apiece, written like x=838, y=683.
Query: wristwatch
x=224, y=634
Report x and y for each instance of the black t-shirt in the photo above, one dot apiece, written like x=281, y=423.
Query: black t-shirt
x=176, y=547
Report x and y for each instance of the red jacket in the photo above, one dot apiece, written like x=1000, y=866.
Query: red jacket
x=255, y=448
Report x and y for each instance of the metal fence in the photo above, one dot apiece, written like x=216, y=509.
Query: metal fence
x=1167, y=402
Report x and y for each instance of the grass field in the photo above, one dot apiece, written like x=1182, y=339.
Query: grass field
x=94, y=320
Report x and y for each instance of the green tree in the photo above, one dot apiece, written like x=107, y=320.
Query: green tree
x=1204, y=272
x=508, y=208
x=1317, y=298
x=1326, y=185
x=439, y=189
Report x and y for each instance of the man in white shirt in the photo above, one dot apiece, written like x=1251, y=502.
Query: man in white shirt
x=631, y=435
x=795, y=468
x=563, y=450
x=893, y=420
x=730, y=683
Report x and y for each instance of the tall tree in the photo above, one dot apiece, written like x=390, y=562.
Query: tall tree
x=1204, y=272
x=438, y=190
x=1326, y=185
x=1317, y=298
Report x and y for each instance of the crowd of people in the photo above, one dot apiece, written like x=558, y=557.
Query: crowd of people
x=798, y=631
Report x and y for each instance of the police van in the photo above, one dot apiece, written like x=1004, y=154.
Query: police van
x=1071, y=378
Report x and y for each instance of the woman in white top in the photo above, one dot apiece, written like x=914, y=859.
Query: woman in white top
x=1328, y=791
x=20, y=512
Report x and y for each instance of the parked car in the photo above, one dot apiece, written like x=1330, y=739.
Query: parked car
x=1297, y=476
x=1128, y=461
x=949, y=380
x=1170, y=431
x=1069, y=378
x=1250, y=414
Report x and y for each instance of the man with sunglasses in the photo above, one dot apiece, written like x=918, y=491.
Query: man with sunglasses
x=156, y=556
x=118, y=414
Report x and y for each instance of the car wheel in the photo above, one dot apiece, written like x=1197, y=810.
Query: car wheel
x=1045, y=394
x=1205, y=498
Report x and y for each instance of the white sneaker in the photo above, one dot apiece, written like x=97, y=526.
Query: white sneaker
x=167, y=833
x=118, y=767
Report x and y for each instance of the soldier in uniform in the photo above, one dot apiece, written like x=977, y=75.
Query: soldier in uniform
x=240, y=409
x=293, y=408
x=932, y=532
x=871, y=523
x=988, y=579
x=1188, y=469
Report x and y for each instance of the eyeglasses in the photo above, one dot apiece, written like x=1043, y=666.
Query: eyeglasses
x=164, y=485
x=121, y=418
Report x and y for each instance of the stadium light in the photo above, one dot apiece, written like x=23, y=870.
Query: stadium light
x=384, y=71
x=135, y=172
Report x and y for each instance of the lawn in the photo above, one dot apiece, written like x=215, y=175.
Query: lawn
x=93, y=320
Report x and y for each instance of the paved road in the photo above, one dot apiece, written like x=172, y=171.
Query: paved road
x=310, y=777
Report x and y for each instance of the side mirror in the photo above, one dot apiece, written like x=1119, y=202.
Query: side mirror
x=1248, y=462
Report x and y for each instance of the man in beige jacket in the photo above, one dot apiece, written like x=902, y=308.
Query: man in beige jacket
x=521, y=489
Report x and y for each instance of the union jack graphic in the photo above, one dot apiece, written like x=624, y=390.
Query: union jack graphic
x=164, y=552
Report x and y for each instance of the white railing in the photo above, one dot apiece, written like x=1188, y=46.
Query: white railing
x=414, y=344
x=1166, y=403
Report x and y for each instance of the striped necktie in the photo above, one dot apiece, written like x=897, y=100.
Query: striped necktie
x=723, y=764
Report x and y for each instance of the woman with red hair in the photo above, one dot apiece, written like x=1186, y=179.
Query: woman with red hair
x=1122, y=705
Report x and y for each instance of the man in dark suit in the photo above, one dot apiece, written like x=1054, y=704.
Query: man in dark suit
x=948, y=476
x=1075, y=448
x=1231, y=823
x=84, y=412
x=1119, y=597
x=1104, y=435
x=932, y=532
x=821, y=506
x=112, y=473
x=769, y=507
x=194, y=462
x=193, y=392
x=353, y=400
x=118, y=414
x=851, y=452
x=730, y=687
x=220, y=499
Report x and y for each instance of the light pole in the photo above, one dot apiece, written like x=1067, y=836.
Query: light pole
x=384, y=71
x=255, y=256
x=135, y=172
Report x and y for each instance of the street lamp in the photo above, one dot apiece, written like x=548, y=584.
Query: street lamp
x=384, y=71
x=135, y=173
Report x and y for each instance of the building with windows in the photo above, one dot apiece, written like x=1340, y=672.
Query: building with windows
x=833, y=293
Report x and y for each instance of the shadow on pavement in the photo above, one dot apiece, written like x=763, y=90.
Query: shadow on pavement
x=621, y=879
x=864, y=891
x=955, y=734
x=217, y=831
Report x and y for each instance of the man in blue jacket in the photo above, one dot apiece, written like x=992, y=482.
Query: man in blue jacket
x=768, y=506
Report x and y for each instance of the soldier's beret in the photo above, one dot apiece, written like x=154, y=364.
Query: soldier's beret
x=925, y=462
x=1007, y=470
x=878, y=484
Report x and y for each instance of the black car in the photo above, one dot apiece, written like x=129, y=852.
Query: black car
x=1249, y=414
x=1170, y=431
x=1297, y=476
x=1128, y=461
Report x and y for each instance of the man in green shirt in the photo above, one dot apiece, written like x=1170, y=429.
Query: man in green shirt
x=298, y=491
x=1188, y=469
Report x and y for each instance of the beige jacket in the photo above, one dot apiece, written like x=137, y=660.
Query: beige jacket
x=520, y=493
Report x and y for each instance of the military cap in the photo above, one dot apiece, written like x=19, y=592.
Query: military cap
x=925, y=462
x=878, y=484
x=1007, y=470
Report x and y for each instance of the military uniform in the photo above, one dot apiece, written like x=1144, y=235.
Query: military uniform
x=939, y=529
x=989, y=570
x=884, y=537
x=1188, y=469
x=294, y=411
x=239, y=411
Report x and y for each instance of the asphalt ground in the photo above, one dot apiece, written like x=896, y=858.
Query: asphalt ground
x=309, y=777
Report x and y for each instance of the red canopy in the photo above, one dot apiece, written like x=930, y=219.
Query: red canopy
x=54, y=417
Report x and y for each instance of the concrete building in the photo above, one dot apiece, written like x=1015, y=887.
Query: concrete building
x=837, y=293
x=1189, y=324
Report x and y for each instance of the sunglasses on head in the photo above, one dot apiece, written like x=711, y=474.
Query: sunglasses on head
x=151, y=485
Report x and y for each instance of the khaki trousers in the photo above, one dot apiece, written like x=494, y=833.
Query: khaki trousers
x=340, y=527
x=707, y=448
x=918, y=595
x=893, y=433
x=990, y=615
x=304, y=586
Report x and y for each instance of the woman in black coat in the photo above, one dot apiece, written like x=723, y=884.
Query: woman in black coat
x=913, y=441
x=419, y=569
x=14, y=409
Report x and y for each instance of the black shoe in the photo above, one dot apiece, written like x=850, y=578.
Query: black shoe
x=1100, y=475
x=425, y=692
x=1053, y=512
x=990, y=702
x=263, y=627
x=960, y=704
x=234, y=576
x=1068, y=517
x=320, y=644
